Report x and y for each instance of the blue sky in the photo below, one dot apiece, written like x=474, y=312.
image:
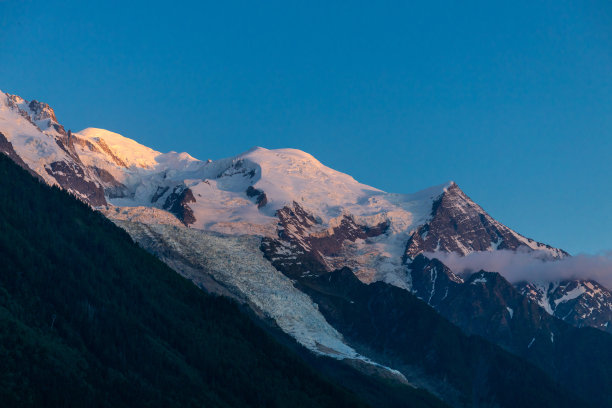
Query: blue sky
x=512, y=100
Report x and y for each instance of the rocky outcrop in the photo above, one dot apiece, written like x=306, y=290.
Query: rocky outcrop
x=18, y=104
x=432, y=281
x=489, y=306
x=41, y=111
x=403, y=332
x=304, y=244
x=43, y=115
x=112, y=187
x=238, y=167
x=72, y=177
x=581, y=303
x=260, y=197
x=177, y=203
x=459, y=225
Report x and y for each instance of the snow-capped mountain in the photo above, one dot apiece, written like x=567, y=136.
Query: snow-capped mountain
x=313, y=219
x=459, y=225
x=578, y=302
x=30, y=131
x=282, y=232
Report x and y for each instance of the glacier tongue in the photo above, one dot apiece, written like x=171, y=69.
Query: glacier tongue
x=234, y=265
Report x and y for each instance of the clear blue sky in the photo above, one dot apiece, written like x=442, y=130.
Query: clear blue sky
x=512, y=100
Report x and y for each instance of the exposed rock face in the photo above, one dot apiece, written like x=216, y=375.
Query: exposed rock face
x=238, y=167
x=304, y=246
x=260, y=197
x=177, y=203
x=38, y=131
x=19, y=104
x=41, y=111
x=112, y=188
x=487, y=305
x=44, y=116
x=72, y=178
x=401, y=331
x=38, y=113
x=432, y=281
x=581, y=303
x=459, y=225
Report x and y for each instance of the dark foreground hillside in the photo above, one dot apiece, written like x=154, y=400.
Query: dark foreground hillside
x=87, y=318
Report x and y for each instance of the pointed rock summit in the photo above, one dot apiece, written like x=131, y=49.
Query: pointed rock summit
x=460, y=225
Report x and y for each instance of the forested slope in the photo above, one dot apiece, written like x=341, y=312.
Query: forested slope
x=87, y=318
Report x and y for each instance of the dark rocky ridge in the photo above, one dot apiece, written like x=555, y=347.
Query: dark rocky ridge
x=72, y=178
x=71, y=175
x=177, y=203
x=432, y=281
x=581, y=303
x=487, y=305
x=260, y=197
x=459, y=225
x=303, y=244
x=397, y=329
x=42, y=111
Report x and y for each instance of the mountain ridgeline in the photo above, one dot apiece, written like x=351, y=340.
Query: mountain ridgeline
x=90, y=319
x=89, y=316
x=344, y=275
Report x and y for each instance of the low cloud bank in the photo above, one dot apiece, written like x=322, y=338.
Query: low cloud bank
x=529, y=266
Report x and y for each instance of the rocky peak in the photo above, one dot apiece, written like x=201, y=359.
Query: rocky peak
x=40, y=114
x=306, y=246
x=14, y=100
x=20, y=105
x=178, y=204
x=432, y=281
x=578, y=302
x=41, y=111
x=459, y=225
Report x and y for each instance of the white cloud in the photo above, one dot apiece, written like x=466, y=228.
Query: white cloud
x=529, y=266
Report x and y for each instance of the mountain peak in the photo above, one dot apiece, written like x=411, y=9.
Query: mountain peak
x=459, y=225
x=130, y=152
x=284, y=155
x=453, y=188
x=41, y=111
x=253, y=149
x=40, y=114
